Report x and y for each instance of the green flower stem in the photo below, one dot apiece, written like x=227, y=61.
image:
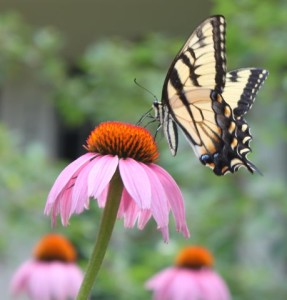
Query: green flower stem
x=104, y=235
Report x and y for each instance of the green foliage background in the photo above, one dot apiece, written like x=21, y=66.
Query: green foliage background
x=241, y=218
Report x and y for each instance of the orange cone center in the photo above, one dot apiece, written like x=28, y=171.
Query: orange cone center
x=54, y=247
x=194, y=257
x=124, y=140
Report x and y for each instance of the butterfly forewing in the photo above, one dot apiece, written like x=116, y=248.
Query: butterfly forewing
x=201, y=61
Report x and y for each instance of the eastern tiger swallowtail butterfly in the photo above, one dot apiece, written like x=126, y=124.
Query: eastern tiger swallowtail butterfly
x=208, y=103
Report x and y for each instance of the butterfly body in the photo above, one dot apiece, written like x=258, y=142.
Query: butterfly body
x=208, y=103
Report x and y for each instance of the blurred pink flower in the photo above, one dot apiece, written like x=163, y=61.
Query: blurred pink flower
x=149, y=191
x=191, y=279
x=51, y=274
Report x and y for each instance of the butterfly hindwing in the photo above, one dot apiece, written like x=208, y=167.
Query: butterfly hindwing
x=218, y=140
x=241, y=88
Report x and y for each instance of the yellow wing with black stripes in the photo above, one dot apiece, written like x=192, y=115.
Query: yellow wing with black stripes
x=208, y=103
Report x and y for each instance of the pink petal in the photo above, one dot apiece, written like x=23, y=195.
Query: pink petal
x=165, y=233
x=131, y=215
x=175, y=283
x=75, y=280
x=55, y=211
x=128, y=210
x=182, y=284
x=19, y=280
x=37, y=286
x=46, y=281
x=56, y=280
x=212, y=285
x=161, y=278
x=80, y=190
x=144, y=217
x=160, y=283
x=159, y=202
x=101, y=174
x=185, y=285
x=102, y=198
x=65, y=201
x=63, y=280
x=63, y=179
x=131, y=212
x=136, y=182
x=174, y=197
x=126, y=201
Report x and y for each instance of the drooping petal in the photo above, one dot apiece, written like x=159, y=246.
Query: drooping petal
x=63, y=179
x=174, y=197
x=80, y=190
x=165, y=233
x=102, y=198
x=65, y=201
x=136, y=182
x=159, y=203
x=128, y=210
x=101, y=174
x=126, y=201
x=143, y=218
x=131, y=213
x=55, y=210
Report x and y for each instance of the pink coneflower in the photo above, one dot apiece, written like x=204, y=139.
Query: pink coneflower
x=192, y=278
x=148, y=190
x=51, y=274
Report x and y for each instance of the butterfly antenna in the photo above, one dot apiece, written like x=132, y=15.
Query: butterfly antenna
x=145, y=89
x=148, y=113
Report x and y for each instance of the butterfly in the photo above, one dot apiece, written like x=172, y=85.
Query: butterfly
x=207, y=102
